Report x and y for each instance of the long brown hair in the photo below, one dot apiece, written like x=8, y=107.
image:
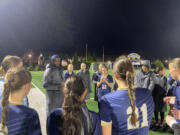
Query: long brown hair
x=14, y=80
x=123, y=68
x=74, y=88
x=9, y=62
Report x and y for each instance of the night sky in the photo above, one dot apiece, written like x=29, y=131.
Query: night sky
x=150, y=28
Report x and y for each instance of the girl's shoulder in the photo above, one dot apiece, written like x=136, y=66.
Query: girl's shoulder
x=142, y=92
x=55, y=118
x=56, y=113
x=24, y=109
x=66, y=73
x=21, y=111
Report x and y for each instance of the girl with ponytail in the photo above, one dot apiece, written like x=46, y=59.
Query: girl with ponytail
x=7, y=63
x=128, y=110
x=16, y=119
x=73, y=118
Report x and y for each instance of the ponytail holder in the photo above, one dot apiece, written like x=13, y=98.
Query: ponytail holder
x=120, y=74
x=127, y=72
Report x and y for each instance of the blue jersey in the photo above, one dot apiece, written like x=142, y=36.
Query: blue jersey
x=22, y=120
x=68, y=75
x=25, y=100
x=115, y=107
x=177, y=100
x=173, y=84
x=104, y=89
x=1, y=87
x=170, y=80
x=55, y=123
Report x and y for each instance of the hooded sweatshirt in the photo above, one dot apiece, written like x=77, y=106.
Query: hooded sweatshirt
x=53, y=76
x=145, y=80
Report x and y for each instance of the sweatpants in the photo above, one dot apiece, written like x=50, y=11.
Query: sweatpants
x=54, y=99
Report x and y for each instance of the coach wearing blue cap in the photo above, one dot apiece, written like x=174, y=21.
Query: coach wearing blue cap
x=52, y=82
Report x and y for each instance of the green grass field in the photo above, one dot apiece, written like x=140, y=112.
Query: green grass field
x=92, y=105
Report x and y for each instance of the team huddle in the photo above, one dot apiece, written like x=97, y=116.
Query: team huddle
x=126, y=100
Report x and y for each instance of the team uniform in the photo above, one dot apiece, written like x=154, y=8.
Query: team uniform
x=92, y=127
x=22, y=120
x=1, y=87
x=172, y=88
x=25, y=100
x=177, y=100
x=115, y=108
x=67, y=75
x=104, y=89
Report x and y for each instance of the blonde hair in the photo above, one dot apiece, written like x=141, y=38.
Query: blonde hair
x=70, y=65
x=9, y=62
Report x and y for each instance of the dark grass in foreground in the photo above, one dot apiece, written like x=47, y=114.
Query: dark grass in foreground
x=92, y=105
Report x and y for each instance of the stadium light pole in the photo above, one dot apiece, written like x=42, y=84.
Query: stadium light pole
x=103, y=55
x=86, y=52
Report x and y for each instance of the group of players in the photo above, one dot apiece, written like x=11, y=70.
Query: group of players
x=126, y=111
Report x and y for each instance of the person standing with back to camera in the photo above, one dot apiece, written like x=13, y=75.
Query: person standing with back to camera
x=17, y=119
x=7, y=63
x=73, y=118
x=127, y=111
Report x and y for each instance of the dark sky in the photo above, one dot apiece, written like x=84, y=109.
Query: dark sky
x=150, y=28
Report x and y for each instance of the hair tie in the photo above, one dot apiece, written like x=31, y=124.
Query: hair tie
x=120, y=74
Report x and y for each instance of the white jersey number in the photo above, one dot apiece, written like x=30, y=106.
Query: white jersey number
x=144, y=123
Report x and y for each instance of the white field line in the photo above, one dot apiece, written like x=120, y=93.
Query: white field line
x=36, y=86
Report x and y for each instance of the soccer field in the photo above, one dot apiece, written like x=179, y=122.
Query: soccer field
x=92, y=105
